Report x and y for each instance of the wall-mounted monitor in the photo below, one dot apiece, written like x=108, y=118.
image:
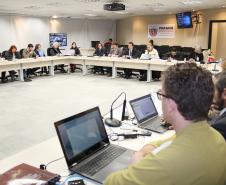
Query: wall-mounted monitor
x=61, y=38
x=94, y=44
x=184, y=20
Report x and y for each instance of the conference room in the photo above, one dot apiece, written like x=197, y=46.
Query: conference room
x=113, y=92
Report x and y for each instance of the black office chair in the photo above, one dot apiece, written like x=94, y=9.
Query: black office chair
x=178, y=48
x=163, y=50
x=48, y=52
x=188, y=51
x=156, y=47
x=142, y=48
x=12, y=74
x=21, y=52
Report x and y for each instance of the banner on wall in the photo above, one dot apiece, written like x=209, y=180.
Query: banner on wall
x=161, y=31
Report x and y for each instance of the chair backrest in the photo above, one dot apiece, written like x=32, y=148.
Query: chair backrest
x=3, y=53
x=178, y=48
x=188, y=49
x=142, y=48
x=48, y=51
x=21, y=52
x=163, y=50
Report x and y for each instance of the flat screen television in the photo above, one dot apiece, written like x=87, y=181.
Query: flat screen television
x=184, y=20
x=61, y=38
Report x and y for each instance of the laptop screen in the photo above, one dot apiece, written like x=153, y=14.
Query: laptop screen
x=143, y=108
x=81, y=135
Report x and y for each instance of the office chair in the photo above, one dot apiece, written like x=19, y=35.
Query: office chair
x=163, y=50
x=178, y=48
x=12, y=73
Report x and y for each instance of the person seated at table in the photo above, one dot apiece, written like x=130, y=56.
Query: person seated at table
x=11, y=54
x=173, y=54
x=100, y=51
x=219, y=103
x=130, y=53
x=198, y=151
x=153, y=55
x=55, y=51
x=29, y=53
x=115, y=50
x=40, y=53
x=107, y=45
x=76, y=53
x=197, y=55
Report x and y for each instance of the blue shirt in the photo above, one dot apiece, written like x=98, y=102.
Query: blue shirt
x=41, y=53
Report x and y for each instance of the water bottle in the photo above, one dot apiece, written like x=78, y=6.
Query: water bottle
x=197, y=59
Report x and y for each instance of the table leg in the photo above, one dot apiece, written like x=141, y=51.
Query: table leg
x=84, y=69
x=149, y=75
x=21, y=73
x=114, y=72
x=51, y=68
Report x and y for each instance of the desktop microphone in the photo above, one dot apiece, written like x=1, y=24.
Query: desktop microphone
x=112, y=122
x=124, y=116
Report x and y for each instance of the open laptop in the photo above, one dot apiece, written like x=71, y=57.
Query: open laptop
x=86, y=146
x=68, y=52
x=145, y=57
x=146, y=114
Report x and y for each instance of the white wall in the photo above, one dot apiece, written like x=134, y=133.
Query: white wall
x=23, y=30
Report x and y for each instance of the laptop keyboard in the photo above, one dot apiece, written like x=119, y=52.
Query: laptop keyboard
x=100, y=161
x=154, y=125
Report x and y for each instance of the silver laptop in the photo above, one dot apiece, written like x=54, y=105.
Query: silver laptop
x=68, y=52
x=146, y=114
x=86, y=146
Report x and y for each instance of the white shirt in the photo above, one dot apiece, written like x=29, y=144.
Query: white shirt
x=153, y=54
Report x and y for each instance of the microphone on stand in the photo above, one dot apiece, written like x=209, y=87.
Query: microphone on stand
x=112, y=122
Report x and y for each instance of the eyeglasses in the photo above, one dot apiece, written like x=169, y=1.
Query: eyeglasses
x=160, y=95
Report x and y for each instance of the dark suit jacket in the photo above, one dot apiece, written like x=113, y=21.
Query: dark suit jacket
x=54, y=52
x=135, y=53
x=220, y=125
x=9, y=55
x=100, y=52
x=77, y=51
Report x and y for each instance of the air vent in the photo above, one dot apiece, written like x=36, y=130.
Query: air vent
x=55, y=4
x=32, y=7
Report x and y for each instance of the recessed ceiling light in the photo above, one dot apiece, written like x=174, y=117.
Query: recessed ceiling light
x=54, y=16
x=191, y=2
x=159, y=9
x=223, y=6
x=121, y=12
x=90, y=15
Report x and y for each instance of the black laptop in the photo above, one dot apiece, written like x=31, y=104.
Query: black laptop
x=146, y=114
x=86, y=146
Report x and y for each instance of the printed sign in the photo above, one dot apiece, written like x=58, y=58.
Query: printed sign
x=161, y=31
